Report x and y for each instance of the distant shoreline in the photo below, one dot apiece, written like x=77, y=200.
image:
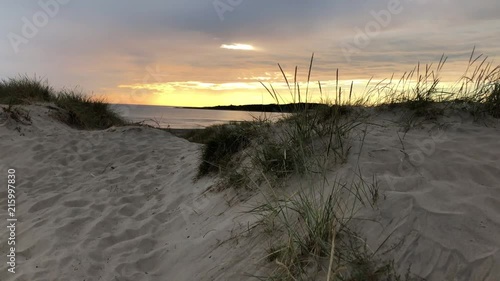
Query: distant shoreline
x=273, y=108
x=285, y=108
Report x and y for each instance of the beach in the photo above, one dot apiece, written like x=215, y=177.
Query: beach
x=250, y=140
x=118, y=204
x=185, y=118
x=121, y=203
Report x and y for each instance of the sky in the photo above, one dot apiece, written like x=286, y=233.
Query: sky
x=216, y=52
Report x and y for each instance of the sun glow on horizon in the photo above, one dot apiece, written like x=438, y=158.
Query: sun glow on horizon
x=197, y=93
x=194, y=85
x=192, y=93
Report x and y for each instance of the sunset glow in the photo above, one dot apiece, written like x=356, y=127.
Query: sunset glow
x=179, y=53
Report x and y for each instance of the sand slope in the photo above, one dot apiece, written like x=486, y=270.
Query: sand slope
x=441, y=199
x=118, y=204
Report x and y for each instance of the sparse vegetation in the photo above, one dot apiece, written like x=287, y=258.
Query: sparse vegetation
x=492, y=102
x=86, y=113
x=311, y=136
x=77, y=110
x=17, y=114
x=310, y=234
x=314, y=133
x=222, y=142
x=310, y=230
x=25, y=90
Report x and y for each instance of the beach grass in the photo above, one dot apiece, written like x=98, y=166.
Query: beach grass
x=25, y=90
x=492, y=101
x=74, y=109
x=85, y=112
x=289, y=145
x=310, y=237
x=419, y=90
x=309, y=231
x=222, y=142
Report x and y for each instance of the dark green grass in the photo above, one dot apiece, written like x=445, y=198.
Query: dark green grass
x=221, y=143
x=492, y=103
x=25, y=90
x=85, y=112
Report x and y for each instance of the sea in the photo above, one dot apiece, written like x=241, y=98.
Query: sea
x=186, y=118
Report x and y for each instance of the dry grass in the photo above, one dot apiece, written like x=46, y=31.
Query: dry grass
x=77, y=110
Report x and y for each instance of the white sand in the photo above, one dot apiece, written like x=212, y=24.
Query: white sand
x=120, y=204
x=442, y=197
x=117, y=204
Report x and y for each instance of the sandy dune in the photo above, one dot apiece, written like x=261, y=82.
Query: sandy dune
x=120, y=204
x=441, y=196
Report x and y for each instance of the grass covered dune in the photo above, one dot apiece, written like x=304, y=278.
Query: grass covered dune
x=403, y=188
x=72, y=108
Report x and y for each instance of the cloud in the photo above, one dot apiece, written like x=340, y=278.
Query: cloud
x=103, y=44
x=237, y=46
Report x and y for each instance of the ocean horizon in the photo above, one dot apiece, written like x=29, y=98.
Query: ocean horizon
x=186, y=118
